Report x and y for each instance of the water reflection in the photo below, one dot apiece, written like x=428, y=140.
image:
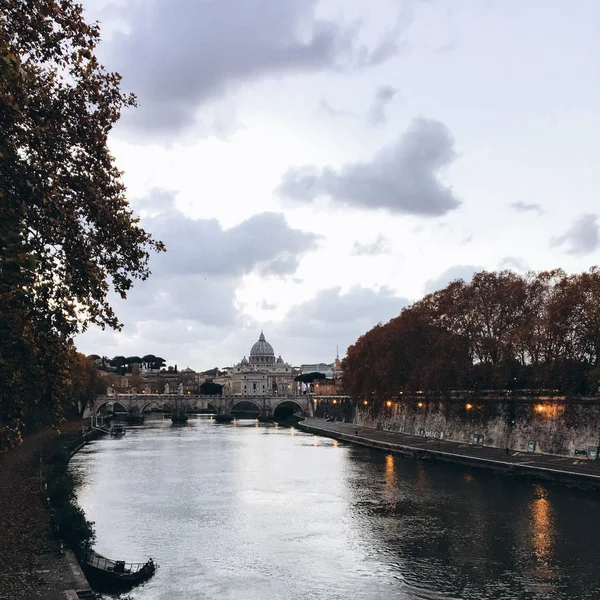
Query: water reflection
x=541, y=529
x=246, y=512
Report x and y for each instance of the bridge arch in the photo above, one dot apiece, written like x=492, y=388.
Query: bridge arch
x=287, y=406
x=105, y=403
x=157, y=402
x=210, y=406
x=245, y=405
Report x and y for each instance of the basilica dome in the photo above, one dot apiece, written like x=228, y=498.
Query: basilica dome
x=262, y=348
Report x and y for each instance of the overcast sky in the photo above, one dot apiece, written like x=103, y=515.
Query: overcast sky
x=314, y=166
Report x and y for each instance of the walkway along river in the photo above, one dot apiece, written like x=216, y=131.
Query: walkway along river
x=248, y=511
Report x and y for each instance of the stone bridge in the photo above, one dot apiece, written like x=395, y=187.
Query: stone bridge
x=223, y=406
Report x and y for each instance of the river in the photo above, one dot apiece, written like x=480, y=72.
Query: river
x=248, y=511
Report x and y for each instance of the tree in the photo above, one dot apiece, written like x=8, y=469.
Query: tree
x=310, y=377
x=148, y=361
x=158, y=363
x=209, y=388
x=67, y=233
x=501, y=331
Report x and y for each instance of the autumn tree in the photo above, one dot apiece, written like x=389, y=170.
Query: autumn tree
x=67, y=234
x=499, y=331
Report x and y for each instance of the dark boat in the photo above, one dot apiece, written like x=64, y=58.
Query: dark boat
x=117, y=430
x=116, y=575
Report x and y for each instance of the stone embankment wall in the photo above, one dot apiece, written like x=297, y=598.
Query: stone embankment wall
x=550, y=425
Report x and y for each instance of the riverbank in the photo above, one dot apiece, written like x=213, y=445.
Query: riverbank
x=30, y=565
x=565, y=469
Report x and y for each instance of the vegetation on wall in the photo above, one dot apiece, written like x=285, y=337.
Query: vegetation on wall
x=68, y=519
x=500, y=331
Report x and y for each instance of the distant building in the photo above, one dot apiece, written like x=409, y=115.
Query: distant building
x=331, y=371
x=260, y=375
x=322, y=368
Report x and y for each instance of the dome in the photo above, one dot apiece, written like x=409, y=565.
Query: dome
x=262, y=347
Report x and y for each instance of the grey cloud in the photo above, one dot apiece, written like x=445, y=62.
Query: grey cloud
x=332, y=308
x=195, y=281
x=310, y=331
x=526, y=207
x=581, y=237
x=513, y=263
x=384, y=95
x=452, y=274
x=264, y=242
x=381, y=245
x=209, y=301
x=264, y=305
x=179, y=54
x=314, y=328
x=325, y=107
x=401, y=178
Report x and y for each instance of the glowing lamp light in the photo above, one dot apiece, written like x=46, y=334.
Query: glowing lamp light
x=539, y=408
x=335, y=401
x=420, y=405
x=469, y=406
x=365, y=402
x=388, y=403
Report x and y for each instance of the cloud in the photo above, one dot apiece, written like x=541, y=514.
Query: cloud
x=401, y=178
x=192, y=290
x=264, y=242
x=329, y=110
x=513, y=263
x=335, y=318
x=264, y=305
x=526, y=207
x=177, y=55
x=452, y=274
x=384, y=95
x=581, y=237
x=381, y=245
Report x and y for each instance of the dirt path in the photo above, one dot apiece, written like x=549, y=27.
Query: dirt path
x=30, y=566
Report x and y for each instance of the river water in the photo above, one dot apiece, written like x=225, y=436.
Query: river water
x=248, y=511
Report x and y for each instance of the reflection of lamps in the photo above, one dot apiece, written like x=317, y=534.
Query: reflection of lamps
x=469, y=406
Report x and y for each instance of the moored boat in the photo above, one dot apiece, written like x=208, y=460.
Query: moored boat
x=116, y=575
x=117, y=430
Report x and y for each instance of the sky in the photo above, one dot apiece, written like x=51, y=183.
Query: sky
x=315, y=166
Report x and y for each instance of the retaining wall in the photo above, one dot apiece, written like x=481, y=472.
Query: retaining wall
x=550, y=425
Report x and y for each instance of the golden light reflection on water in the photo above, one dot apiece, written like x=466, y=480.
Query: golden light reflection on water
x=541, y=525
x=390, y=472
x=391, y=482
x=542, y=539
